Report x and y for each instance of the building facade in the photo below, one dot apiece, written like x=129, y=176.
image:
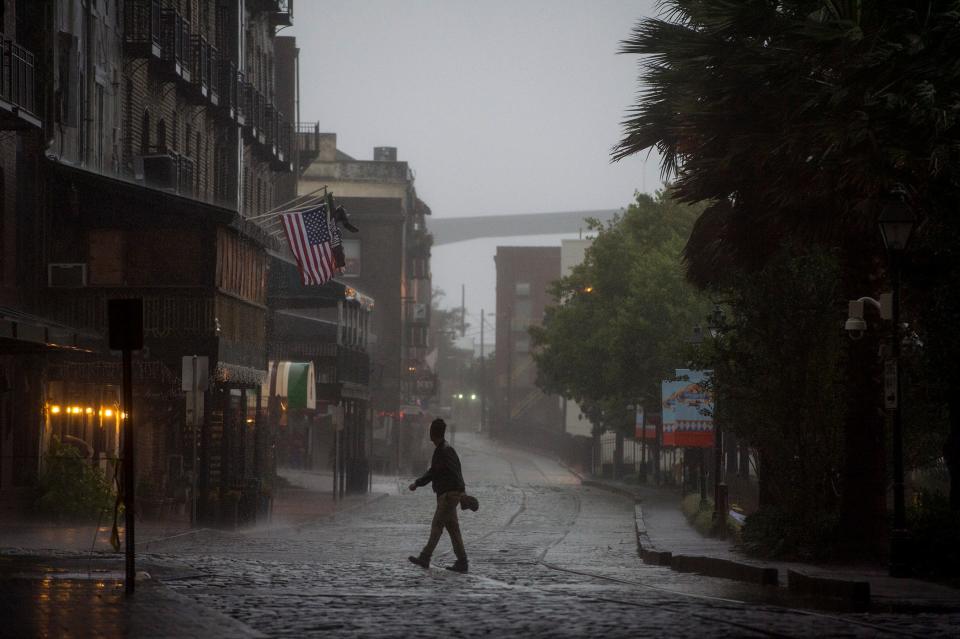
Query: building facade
x=159, y=138
x=523, y=411
x=389, y=259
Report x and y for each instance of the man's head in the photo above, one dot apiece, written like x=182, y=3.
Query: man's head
x=438, y=429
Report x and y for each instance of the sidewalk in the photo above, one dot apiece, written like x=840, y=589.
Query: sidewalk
x=77, y=597
x=663, y=528
x=66, y=581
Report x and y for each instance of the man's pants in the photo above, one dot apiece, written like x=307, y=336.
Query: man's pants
x=446, y=517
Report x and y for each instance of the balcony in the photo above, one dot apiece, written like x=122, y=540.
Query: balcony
x=200, y=73
x=214, y=74
x=308, y=143
x=166, y=171
x=254, y=111
x=18, y=89
x=186, y=177
x=141, y=28
x=281, y=11
x=242, y=114
x=175, y=50
x=228, y=87
x=282, y=15
x=283, y=155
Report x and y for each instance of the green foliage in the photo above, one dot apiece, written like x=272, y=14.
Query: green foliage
x=71, y=488
x=794, y=118
x=698, y=513
x=622, y=314
x=778, y=377
x=774, y=533
x=934, y=530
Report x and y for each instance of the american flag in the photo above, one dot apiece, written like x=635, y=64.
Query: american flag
x=311, y=242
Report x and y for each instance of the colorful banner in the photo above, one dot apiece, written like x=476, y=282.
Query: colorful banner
x=687, y=411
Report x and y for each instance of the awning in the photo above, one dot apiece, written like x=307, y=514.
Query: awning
x=21, y=331
x=294, y=381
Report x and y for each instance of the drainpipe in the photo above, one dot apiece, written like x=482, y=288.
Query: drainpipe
x=89, y=82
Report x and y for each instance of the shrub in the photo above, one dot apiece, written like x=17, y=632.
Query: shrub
x=934, y=530
x=71, y=488
x=777, y=533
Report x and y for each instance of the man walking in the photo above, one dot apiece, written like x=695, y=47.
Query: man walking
x=448, y=484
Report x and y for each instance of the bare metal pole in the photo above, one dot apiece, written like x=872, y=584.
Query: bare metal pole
x=483, y=379
x=129, y=501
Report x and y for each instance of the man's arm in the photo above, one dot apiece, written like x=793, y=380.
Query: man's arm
x=425, y=478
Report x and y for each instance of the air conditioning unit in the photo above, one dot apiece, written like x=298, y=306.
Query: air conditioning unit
x=157, y=170
x=63, y=275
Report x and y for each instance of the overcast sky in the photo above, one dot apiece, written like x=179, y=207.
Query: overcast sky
x=499, y=106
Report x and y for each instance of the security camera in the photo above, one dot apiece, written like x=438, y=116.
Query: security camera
x=855, y=326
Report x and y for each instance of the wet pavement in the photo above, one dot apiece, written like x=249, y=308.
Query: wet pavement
x=548, y=557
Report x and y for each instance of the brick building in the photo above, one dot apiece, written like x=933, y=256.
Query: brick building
x=390, y=260
x=160, y=136
x=521, y=409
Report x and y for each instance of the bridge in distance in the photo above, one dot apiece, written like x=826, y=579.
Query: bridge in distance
x=447, y=230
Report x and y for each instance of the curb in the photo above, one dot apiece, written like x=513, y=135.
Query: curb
x=726, y=568
x=854, y=593
x=613, y=489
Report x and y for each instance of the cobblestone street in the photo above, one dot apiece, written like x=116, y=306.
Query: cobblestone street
x=548, y=558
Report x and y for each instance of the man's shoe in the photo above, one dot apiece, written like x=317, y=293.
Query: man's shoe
x=469, y=502
x=420, y=561
x=458, y=566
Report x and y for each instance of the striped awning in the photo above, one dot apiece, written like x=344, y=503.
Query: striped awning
x=294, y=381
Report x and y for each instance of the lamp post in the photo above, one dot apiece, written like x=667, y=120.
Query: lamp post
x=896, y=223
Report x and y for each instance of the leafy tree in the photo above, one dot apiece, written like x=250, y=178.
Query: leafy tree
x=794, y=120
x=778, y=381
x=622, y=315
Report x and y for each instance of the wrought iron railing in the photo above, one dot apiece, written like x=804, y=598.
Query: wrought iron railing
x=214, y=75
x=141, y=22
x=284, y=143
x=201, y=64
x=175, y=40
x=17, y=76
x=185, y=176
x=229, y=84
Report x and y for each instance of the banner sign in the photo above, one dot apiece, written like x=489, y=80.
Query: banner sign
x=687, y=411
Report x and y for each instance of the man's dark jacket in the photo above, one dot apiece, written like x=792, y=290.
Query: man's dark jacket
x=444, y=470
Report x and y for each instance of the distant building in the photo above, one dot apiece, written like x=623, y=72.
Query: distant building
x=572, y=253
x=523, y=411
x=389, y=259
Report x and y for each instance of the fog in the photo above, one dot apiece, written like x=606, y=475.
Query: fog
x=499, y=107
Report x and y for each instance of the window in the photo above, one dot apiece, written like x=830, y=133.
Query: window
x=105, y=260
x=522, y=309
x=521, y=343
x=522, y=289
x=101, y=116
x=145, y=133
x=162, y=135
x=351, y=252
x=198, y=149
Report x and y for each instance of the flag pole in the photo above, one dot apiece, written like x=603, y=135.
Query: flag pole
x=307, y=201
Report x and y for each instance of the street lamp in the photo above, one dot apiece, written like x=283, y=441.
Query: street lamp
x=896, y=223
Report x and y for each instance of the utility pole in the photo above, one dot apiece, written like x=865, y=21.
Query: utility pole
x=483, y=379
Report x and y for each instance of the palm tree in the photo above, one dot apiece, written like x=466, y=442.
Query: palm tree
x=794, y=120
